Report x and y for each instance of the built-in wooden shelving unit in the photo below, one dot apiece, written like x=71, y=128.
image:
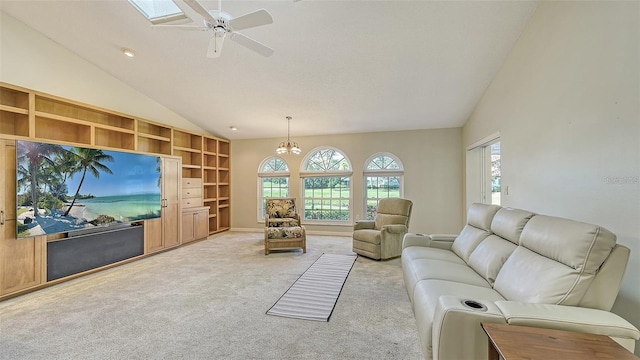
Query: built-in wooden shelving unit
x=202, y=161
x=207, y=158
x=29, y=114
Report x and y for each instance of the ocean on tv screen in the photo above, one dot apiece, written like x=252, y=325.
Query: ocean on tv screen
x=78, y=188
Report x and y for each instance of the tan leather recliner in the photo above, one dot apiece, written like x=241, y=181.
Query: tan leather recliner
x=382, y=238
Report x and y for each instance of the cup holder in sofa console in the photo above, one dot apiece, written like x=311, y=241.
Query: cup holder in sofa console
x=474, y=305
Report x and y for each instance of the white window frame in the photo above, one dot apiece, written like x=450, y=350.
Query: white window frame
x=164, y=18
x=332, y=173
x=270, y=174
x=381, y=173
x=478, y=171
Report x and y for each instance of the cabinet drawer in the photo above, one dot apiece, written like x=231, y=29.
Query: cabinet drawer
x=191, y=193
x=191, y=183
x=191, y=202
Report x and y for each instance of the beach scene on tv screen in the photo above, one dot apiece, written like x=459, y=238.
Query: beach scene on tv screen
x=65, y=188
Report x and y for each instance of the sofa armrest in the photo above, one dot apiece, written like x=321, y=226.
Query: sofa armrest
x=570, y=318
x=442, y=241
x=364, y=224
x=457, y=333
x=411, y=239
x=395, y=229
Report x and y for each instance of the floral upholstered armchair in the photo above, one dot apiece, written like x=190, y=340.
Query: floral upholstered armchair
x=283, y=230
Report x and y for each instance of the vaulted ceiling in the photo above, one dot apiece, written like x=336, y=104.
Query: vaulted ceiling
x=339, y=66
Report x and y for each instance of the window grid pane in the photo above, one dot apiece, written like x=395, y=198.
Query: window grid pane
x=380, y=187
x=276, y=186
x=326, y=198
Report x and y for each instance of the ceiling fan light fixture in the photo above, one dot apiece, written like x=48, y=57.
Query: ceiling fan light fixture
x=288, y=146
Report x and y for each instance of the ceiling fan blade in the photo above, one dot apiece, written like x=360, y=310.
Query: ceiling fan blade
x=252, y=19
x=180, y=27
x=251, y=44
x=195, y=5
x=215, y=46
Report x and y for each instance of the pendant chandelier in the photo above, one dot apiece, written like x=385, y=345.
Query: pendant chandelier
x=288, y=147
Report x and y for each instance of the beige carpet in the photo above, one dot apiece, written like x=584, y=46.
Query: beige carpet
x=313, y=296
x=208, y=301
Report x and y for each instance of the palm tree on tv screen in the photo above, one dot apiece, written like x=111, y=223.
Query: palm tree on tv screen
x=35, y=155
x=91, y=160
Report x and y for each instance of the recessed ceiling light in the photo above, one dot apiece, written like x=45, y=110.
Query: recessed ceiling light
x=233, y=128
x=128, y=52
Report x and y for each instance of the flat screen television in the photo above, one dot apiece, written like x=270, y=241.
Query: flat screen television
x=65, y=188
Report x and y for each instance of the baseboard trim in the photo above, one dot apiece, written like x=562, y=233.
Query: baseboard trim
x=313, y=232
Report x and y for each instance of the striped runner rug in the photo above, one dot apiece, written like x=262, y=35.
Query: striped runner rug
x=314, y=295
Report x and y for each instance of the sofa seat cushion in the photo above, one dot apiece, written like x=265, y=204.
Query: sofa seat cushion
x=367, y=236
x=420, y=252
x=424, y=269
x=425, y=300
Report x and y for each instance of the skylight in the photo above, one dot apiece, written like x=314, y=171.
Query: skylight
x=158, y=11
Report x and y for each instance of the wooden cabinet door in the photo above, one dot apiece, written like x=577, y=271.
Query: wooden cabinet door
x=20, y=260
x=201, y=223
x=188, y=231
x=152, y=235
x=171, y=199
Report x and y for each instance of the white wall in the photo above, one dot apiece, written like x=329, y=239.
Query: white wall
x=31, y=60
x=567, y=105
x=433, y=175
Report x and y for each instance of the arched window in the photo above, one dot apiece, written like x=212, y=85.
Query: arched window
x=273, y=181
x=383, y=176
x=326, y=185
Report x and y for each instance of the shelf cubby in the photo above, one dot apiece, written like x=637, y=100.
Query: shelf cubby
x=14, y=112
x=186, y=140
x=79, y=112
x=210, y=145
x=60, y=130
x=153, y=145
x=114, y=139
x=210, y=192
x=224, y=148
x=14, y=98
x=154, y=131
x=223, y=177
x=223, y=191
x=224, y=215
x=14, y=123
x=210, y=176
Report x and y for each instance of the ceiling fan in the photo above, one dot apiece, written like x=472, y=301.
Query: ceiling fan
x=223, y=25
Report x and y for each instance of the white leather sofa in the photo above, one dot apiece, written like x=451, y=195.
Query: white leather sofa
x=513, y=266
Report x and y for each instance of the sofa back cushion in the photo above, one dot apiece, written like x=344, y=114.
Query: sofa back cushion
x=489, y=256
x=508, y=223
x=556, y=261
x=478, y=227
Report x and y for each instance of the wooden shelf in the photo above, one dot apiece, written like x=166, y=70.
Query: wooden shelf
x=210, y=200
x=15, y=110
x=180, y=148
x=154, y=137
x=191, y=166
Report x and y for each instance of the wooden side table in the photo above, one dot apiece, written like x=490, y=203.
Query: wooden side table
x=511, y=342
